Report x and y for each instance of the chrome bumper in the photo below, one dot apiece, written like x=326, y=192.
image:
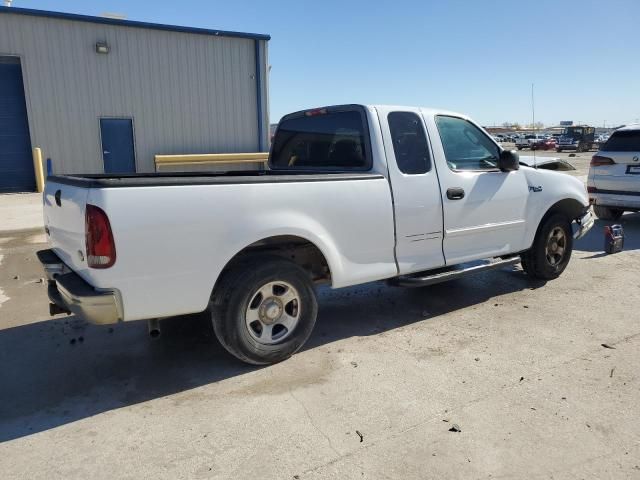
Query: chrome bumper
x=72, y=294
x=585, y=222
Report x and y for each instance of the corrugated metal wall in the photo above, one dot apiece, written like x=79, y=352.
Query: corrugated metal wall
x=186, y=92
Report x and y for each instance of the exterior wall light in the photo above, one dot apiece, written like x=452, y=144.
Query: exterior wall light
x=102, y=47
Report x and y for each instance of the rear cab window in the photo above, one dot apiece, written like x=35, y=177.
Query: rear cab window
x=623, y=141
x=328, y=139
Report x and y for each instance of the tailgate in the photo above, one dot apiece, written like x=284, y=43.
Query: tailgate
x=64, y=207
x=623, y=175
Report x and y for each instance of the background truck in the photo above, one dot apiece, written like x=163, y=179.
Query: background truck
x=353, y=194
x=527, y=141
x=579, y=138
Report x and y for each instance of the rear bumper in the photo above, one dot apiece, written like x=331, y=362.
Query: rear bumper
x=568, y=146
x=615, y=199
x=74, y=295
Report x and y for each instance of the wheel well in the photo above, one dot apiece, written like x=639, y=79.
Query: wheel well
x=299, y=250
x=569, y=207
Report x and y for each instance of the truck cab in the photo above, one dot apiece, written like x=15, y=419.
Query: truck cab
x=579, y=138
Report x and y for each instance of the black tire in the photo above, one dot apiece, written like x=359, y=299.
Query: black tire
x=230, y=303
x=607, y=213
x=536, y=262
x=519, y=148
x=559, y=150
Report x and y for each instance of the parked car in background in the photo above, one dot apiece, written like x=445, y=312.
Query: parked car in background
x=527, y=141
x=548, y=143
x=614, y=175
x=353, y=194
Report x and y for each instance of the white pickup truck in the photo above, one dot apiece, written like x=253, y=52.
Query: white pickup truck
x=527, y=141
x=353, y=194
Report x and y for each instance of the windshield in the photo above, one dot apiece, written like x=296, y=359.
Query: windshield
x=572, y=132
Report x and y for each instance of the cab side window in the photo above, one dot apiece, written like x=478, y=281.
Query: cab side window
x=466, y=147
x=409, y=143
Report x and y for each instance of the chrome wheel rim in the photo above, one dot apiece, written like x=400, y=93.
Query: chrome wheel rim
x=556, y=246
x=273, y=312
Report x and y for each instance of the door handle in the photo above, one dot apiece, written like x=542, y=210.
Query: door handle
x=106, y=152
x=455, y=193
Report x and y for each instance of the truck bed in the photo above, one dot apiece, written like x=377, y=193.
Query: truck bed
x=175, y=232
x=206, y=178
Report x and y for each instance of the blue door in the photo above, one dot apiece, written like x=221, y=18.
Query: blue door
x=117, y=145
x=16, y=160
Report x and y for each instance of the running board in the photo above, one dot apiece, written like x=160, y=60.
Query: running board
x=422, y=279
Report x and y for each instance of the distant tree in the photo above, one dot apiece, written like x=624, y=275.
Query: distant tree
x=514, y=125
x=536, y=126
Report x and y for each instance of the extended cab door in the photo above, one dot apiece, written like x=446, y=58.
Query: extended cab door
x=484, y=208
x=415, y=189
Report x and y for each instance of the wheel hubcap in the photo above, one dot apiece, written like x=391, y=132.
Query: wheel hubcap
x=273, y=312
x=556, y=246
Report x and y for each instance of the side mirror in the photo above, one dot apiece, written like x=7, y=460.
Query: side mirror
x=509, y=161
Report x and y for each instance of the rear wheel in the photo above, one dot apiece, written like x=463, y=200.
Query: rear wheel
x=551, y=250
x=606, y=213
x=264, y=310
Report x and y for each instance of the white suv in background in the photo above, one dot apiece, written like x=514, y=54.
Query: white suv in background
x=614, y=174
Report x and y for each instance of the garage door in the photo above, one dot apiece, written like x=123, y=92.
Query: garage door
x=16, y=161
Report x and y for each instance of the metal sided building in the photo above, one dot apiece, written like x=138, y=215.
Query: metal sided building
x=104, y=95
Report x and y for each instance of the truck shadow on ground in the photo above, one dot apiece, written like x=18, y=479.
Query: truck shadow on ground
x=594, y=240
x=60, y=371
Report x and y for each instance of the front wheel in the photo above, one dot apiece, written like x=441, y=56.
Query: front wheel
x=264, y=310
x=551, y=250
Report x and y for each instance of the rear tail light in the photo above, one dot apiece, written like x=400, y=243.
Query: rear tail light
x=101, y=249
x=598, y=161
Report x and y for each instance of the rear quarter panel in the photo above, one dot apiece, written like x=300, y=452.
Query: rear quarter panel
x=172, y=242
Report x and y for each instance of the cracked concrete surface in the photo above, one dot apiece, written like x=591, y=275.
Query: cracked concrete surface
x=518, y=365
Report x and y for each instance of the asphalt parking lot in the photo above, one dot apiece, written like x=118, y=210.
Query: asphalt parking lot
x=541, y=380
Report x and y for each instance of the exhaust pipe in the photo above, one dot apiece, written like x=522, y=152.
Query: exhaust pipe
x=154, y=328
x=55, y=309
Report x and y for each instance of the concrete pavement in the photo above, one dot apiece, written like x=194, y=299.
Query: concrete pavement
x=519, y=366
x=20, y=211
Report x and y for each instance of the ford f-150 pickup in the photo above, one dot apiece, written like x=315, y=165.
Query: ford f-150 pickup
x=352, y=194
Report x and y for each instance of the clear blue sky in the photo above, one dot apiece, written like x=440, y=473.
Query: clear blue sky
x=477, y=57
